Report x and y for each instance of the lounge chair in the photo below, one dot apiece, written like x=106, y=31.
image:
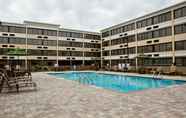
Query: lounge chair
x=16, y=83
x=24, y=77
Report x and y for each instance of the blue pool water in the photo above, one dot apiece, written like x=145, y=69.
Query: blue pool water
x=119, y=83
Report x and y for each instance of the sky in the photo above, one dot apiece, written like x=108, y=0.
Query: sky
x=91, y=15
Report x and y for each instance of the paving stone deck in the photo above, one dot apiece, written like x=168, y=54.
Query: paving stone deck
x=56, y=98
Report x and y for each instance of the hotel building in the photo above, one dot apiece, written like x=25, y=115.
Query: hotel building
x=48, y=45
x=154, y=40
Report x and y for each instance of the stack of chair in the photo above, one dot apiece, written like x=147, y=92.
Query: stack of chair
x=16, y=83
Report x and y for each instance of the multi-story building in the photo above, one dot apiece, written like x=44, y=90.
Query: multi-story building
x=155, y=40
x=48, y=45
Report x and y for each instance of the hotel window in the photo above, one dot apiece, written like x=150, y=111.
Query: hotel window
x=165, y=31
x=4, y=40
x=77, y=53
x=105, y=53
x=180, y=45
x=3, y=51
x=181, y=12
x=65, y=53
x=20, y=30
x=128, y=27
x=156, y=34
x=49, y=42
x=165, y=17
x=154, y=20
x=105, y=34
x=12, y=29
x=76, y=44
x=34, y=52
x=90, y=36
x=168, y=46
x=77, y=35
x=64, y=43
x=132, y=50
x=3, y=28
x=49, y=53
x=181, y=61
x=140, y=50
x=17, y=41
x=156, y=48
x=91, y=45
x=92, y=54
x=34, y=42
x=180, y=28
x=149, y=21
x=35, y=31
x=15, y=29
x=50, y=32
x=105, y=43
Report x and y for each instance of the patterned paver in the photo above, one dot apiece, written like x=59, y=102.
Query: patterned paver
x=67, y=99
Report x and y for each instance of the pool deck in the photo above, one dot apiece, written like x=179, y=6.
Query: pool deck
x=59, y=98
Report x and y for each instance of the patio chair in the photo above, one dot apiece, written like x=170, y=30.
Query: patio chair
x=16, y=83
x=20, y=77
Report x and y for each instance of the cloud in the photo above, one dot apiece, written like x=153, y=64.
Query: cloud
x=92, y=15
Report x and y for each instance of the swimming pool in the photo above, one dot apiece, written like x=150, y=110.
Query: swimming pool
x=115, y=82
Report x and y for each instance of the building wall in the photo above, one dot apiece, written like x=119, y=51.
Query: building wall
x=47, y=44
x=154, y=40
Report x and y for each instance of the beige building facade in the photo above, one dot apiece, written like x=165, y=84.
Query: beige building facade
x=155, y=40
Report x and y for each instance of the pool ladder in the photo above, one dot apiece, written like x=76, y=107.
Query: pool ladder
x=157, y=76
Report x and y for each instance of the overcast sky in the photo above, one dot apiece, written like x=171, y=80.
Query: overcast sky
x=92, y=15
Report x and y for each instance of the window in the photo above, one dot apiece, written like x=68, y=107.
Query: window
x=3, y=51
x=181, y=61
x=77, y=35
x=181, y=12
x=50, y=32
x=4, y=40
x=105, y=34
x=155, y=34
x=127, y=39
x=92, y=54
x=3, y=28
x=64, y=43
x=77, y=53
x=34, y=52
x=180, y=28
x=17, y=41
x=91, y=45
x=180, y=45
x=50, y=42
x=35, y=31
x=154, y=20
x=76, y=44
x=105, y=43
x=49, y=53
x=90, y=36
x=12, y=29
x=105, y=53
x=64, y=53
x=34, y=42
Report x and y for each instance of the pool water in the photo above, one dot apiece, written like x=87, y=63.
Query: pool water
x=114, y=82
